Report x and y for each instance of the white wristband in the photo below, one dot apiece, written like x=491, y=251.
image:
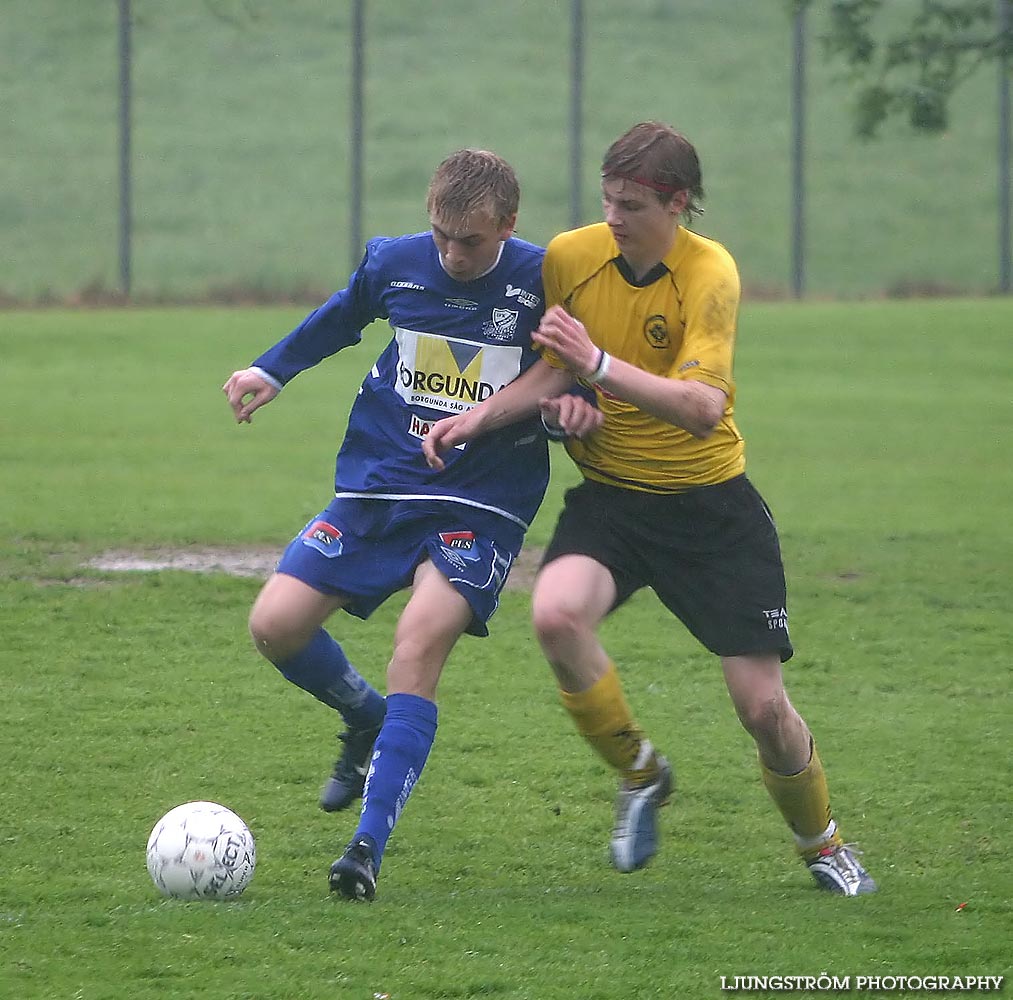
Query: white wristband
x=601, y=369
x=552, y=432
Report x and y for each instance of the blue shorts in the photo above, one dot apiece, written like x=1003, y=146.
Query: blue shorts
x=367, y=550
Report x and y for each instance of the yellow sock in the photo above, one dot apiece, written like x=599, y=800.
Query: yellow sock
x=603, y=718
x=804, y=802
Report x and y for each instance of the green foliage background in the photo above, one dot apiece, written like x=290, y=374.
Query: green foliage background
x=242, y=133
x=908, y=60
x=877, y=432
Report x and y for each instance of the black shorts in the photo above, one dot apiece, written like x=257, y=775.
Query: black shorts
x=711, y=555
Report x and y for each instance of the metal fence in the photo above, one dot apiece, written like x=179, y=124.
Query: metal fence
x=583, y=37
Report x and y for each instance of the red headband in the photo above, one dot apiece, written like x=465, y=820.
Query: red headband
x=653, y=185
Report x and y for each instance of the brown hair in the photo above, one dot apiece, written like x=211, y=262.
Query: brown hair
x=655, y=155
x=474, y=180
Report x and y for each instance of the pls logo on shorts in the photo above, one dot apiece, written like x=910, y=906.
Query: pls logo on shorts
x=323, y=537
x=458, y=539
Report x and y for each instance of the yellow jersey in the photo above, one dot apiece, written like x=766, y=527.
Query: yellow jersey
x=679, y=324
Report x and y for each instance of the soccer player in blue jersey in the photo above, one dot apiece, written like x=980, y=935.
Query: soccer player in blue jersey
x=462, y=300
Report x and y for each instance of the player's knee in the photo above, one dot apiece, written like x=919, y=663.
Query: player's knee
x=274, y=638
x=764, y=718
x=555, y=624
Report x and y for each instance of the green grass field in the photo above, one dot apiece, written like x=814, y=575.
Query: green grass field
x=880, y=434
x=241, y=140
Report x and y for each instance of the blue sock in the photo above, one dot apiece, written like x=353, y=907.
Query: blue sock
x=398, y=758
x=322, y=669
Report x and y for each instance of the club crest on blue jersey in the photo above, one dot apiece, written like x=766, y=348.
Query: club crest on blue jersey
x=502, y=326
x=323, y=537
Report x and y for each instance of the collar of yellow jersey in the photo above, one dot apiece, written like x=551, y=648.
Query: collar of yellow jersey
x=664, y=266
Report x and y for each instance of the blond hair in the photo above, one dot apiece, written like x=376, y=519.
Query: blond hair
x=474, y=181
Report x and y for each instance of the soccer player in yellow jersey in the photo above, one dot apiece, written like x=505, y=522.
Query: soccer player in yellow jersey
x=644, y=310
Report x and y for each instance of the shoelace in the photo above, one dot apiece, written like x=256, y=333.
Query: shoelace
x=837, y=848
x=844, y=860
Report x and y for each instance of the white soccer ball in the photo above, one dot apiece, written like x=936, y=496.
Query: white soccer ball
x=201, y=850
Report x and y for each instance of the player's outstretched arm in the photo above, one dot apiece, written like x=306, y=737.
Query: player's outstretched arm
x=695, y=406
x=247, y=391
x=520, y=399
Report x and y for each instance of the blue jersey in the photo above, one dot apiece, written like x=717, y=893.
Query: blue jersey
x=454, y=345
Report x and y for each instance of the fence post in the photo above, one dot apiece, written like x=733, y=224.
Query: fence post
x=798, y=153
x=1005, y=25
x=355, y=194
x=126, y=222
x=576, y=111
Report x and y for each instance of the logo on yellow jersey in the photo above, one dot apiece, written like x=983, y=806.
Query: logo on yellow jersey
x=656, y=332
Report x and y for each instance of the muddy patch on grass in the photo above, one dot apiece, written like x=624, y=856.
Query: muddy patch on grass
x=210, y=559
